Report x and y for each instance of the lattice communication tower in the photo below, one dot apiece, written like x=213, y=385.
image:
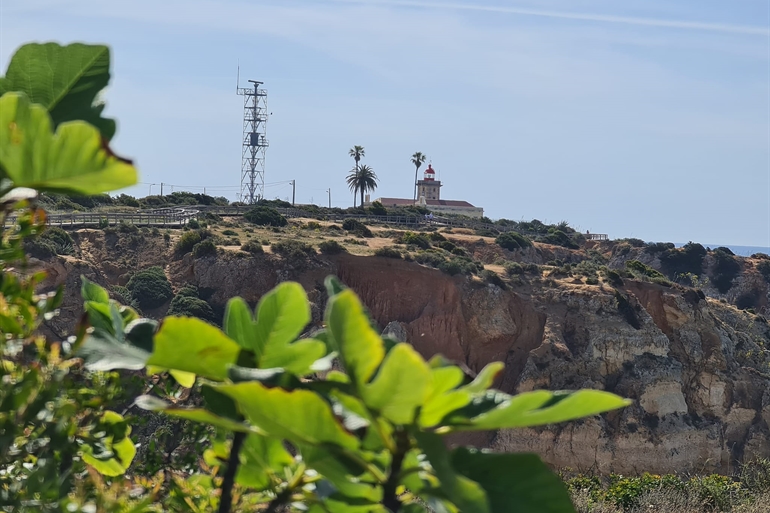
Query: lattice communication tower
x=254, y=142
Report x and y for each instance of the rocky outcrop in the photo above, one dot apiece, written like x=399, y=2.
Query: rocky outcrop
x=695, y=368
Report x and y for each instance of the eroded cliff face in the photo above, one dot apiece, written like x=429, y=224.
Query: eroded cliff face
x=694, y=367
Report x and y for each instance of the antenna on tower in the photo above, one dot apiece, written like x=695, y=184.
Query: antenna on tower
x=238, y=78
x=254, y=141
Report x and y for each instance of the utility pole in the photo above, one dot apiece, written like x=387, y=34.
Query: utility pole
x=329, y=190
x=293, y=190
x=150, y=193
x=161, y=189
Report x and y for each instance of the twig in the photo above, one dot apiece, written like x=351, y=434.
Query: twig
x=389, y=496
x=226, y=498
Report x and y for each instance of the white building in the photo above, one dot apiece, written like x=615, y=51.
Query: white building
x=429, y=196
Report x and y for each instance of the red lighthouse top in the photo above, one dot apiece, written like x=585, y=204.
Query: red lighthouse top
x=430, y=174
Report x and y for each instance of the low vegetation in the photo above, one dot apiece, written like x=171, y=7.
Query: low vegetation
x=513, y=241
x=150, y=288
x=748, y=491
x=331, y=247
x=265, y=216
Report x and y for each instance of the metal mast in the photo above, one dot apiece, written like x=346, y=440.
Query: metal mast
x=254, y=142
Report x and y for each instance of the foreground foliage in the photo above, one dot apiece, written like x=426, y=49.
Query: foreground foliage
x=365, y=437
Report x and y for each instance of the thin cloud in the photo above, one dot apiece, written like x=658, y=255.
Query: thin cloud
x=604, y=18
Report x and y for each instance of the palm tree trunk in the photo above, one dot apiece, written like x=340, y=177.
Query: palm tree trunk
x=355, y=191
x=415, y=183
x=362, y=197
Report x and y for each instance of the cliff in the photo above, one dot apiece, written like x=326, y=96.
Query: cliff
x=695, y=367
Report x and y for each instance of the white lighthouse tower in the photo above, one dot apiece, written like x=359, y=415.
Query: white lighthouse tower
x=428, y=188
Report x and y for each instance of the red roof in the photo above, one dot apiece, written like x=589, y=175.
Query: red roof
x=403, y=202
x=430, y=170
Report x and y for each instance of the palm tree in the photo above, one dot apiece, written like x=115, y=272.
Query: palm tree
x=356, y=152
x=418, y=159
x=362, y=179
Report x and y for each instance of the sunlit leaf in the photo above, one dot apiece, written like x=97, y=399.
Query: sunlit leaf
x=70, y=161
x=194, y=346
x=66, y=80
x=300, y=416
x=239, y=324
x=401, y=385
x=360, y=348
x=282, y=314
x=119, y=450
x=496, y=410
x=297, y=358
x=93, y=292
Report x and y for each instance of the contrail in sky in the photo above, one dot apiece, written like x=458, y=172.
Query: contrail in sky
x=605, y=18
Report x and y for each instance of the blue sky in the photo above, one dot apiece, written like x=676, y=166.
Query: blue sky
x=638, y=118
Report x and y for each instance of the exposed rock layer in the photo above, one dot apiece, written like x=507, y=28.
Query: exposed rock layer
x=693, y=366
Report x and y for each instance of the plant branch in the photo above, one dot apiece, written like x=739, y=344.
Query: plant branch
x=389, y=496
x=226, y=498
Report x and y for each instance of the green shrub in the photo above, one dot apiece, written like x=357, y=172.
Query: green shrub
x=415, y=239
x=626, y=492
x=437, y=237
x=188, y=290
x=126, y=227
x=559, y=238
x=614, y=278
x=378, y=209
x=265, y=216
x=460, y=265
x=749, y=300
x=448, y=246
x=637, y=243
x=186, y=305
x=193, y=224
x=486, y=232
x=726, y=269
x=687, y=259
x=388, y=252
x=313, y=225
x=293, y=250
x=204, y=248
x=658, y=247
x=431, y=258
x=229, y=232
x=492, y=277
x=513, y=268
x=513, y=241
x=150, y=287
x=53, y=241
x=643, y=270
x=252, y=247
x=187, y=241
x=103, y=223
x=357, y=227
x=331, y=247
